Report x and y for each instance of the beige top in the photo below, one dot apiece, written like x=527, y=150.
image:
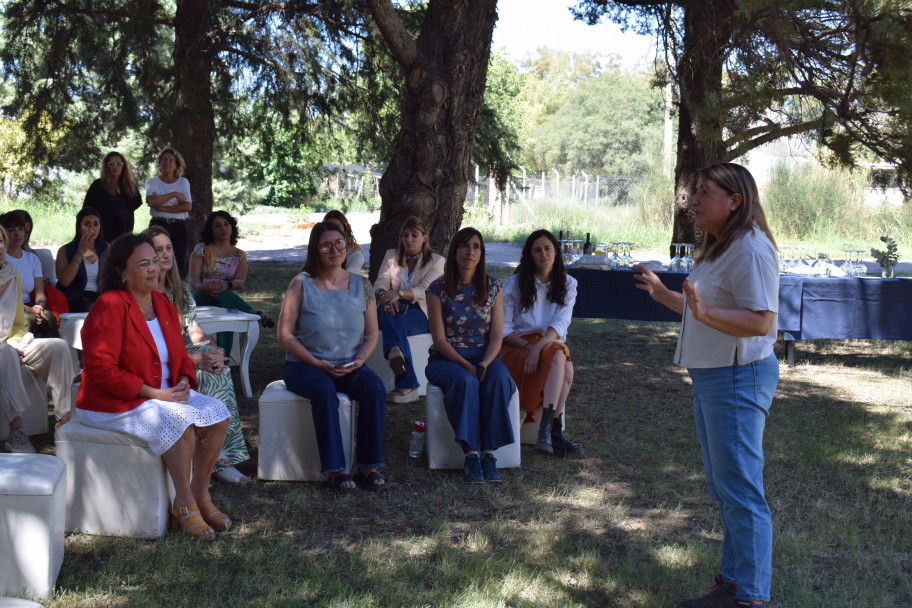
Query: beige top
x=746, y=276
x=390, y=276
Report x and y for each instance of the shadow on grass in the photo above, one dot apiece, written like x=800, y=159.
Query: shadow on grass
x=630, y=524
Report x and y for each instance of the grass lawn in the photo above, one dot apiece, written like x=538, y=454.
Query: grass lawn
x=629, y=525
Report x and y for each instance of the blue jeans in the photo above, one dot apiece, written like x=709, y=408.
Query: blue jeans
x=363, y=386
x=475, y=408
x=730, y=409
x=395, y=330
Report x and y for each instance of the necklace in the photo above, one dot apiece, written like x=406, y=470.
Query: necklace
x=411, y=259
x=150, y=314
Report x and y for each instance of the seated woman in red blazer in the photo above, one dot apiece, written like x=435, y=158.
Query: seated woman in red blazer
x=137, y=379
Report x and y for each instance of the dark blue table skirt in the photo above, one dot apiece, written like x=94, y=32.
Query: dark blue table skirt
x=809, y=307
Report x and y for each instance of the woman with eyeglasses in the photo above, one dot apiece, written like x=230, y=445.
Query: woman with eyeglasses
x=354, y=257
x=328, y=326
x=114, y=196
x=137, y=379
x=168, y=196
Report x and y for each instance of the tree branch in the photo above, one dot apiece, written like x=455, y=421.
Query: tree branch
x=773, y=135
x=123, y=15
x=401, y=43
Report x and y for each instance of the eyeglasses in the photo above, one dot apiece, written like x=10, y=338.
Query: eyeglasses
x=328, y=246
x=115, y=163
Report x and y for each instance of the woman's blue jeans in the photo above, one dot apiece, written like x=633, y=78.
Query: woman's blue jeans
x=363, y=386
x=730, y=409
x=475, y=408
x=395, y=330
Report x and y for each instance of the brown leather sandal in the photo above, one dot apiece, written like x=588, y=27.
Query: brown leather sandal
x=213, y=516
x=193, y=525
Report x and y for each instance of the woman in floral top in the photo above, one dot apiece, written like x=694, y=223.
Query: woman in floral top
x=465, y=314
x=218, y=270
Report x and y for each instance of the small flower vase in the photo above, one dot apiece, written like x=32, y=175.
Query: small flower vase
x=886, y=272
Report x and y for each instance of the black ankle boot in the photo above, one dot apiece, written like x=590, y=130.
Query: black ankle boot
x=560, y=444
x=545, y=430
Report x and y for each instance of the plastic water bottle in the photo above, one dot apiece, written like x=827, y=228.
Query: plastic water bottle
x=416, y=445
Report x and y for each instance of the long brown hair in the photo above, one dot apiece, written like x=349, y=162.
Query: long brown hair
x=111, y=183
x=337, y=216
x=413, y=223
x=734, y=179
x=557, y=287
x=451, y=270
x=313, y=265
x=172, y=277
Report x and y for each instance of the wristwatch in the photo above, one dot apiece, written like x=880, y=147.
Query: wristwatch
x=401, y=293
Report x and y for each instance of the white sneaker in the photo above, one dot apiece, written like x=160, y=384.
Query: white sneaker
x=18, y=443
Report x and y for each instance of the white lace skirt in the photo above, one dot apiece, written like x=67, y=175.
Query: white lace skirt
x=159, y=423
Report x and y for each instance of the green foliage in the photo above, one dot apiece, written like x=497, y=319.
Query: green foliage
x=888, y=258
x=585, y=115
x=654, y=196
x=807, y=201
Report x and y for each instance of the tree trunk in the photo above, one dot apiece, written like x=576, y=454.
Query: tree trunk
x=193, y=124
x=445, y=73
x=707, y=31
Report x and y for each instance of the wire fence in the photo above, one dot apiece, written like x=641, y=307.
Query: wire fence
x=358, y=181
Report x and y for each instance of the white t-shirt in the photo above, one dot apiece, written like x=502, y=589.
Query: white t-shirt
x=542, y=314
x=29, y=268
x=746, y=276
x=156, y=187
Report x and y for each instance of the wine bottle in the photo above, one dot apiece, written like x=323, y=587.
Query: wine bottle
x=587, y=246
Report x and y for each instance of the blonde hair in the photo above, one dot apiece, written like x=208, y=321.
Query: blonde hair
x=414, y=223
x=179, y=164
x=734, y=179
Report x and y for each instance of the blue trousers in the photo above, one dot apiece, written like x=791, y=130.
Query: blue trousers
x=363, y=386
x=475, y=409
x=395, y=330
x=730, y=409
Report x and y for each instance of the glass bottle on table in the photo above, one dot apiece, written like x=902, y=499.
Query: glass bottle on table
x=587, y=246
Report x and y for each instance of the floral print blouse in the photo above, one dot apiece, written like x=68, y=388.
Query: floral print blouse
x=466, y=324
x=222, y=269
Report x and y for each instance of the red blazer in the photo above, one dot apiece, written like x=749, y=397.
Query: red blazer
x=119, y=353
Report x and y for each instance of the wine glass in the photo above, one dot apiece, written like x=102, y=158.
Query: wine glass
x=822, y=264
x=614, y=260
x=688, y=261
x=675, y=265
x=847, y=266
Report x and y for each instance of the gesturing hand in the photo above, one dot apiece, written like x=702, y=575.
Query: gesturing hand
x=694, y=303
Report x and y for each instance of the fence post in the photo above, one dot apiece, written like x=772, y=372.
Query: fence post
x=557, y=190
x=596, y=189
x=543, y=185
x=586, y=189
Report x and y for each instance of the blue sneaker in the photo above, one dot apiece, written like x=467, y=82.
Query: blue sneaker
x=489, y=467
x=472, y=469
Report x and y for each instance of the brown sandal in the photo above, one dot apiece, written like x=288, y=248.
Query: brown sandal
x=213, y=516
x=193, y=525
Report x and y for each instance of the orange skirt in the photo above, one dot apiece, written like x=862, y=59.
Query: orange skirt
x=531, y=385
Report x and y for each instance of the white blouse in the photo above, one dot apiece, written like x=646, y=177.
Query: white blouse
x=746, y=276
x=162, y=348
x=542, y=314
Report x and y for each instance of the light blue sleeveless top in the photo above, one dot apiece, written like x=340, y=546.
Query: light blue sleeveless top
x=331, y=322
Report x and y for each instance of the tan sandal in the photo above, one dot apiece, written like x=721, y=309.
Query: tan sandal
x=193, y=525
x=213, y=516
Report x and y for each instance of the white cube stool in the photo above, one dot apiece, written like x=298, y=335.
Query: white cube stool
x=12, y=602
x=288, y=441
x=32, y=503
x=528, y=434
x=115, y=484
x=35, y=416
x=419, y=345
x=443, y=451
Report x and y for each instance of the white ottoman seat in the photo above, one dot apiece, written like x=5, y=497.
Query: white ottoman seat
x=115, y=484
x=288, y=441
x=443, y=451
x=32, y=511
x=419, y=345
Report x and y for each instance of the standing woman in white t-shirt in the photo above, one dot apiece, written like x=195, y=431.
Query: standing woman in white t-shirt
x=728, y=329
x=168, y=195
